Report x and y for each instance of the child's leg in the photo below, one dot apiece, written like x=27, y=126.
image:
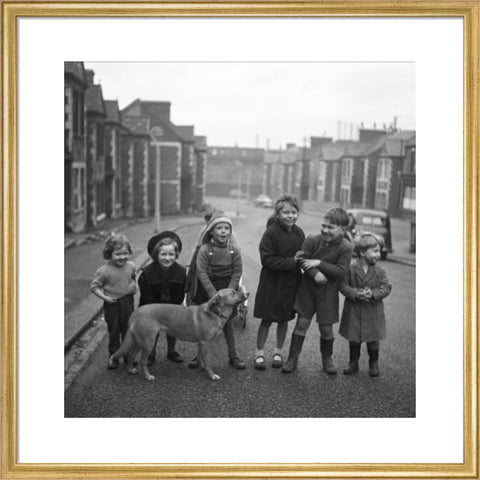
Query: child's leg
x=110, y=312
x=234, y=360
x=282, y=328
x=354, y=357
x=125, y=308
x=262, y=335
x=373, y=348
x=326, y=348
x=172, y=354
x=298, y=337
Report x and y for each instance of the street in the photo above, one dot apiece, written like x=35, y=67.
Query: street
x=308, y=392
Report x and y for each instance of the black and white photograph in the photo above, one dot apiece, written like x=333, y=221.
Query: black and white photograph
x=240, y=239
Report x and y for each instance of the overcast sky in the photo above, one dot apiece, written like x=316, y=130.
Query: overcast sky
x=247, y=103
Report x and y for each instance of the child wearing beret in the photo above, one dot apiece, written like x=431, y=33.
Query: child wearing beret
x=163, y=281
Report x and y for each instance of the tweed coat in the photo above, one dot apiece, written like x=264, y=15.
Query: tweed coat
x=364, y=321
x=280, y=274
x=323, y=300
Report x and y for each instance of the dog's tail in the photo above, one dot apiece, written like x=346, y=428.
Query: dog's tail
x=127, y=344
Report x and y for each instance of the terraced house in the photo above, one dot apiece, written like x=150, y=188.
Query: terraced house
x=111, y=157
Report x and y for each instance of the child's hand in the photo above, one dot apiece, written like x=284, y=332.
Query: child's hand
x=368, y=293
x=362, y=295
x=320, y=278
x=299, y=255
x=309, y=263
x=110, y=299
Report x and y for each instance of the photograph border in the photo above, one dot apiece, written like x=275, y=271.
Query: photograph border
x=12, y=11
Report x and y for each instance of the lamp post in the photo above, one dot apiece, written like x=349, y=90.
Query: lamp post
x=239, y=165
x=155, y=134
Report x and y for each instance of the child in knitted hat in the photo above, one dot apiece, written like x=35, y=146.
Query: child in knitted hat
x=218, y=265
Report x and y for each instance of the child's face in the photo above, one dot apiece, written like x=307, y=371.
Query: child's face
x=120, y=256
x=288, y=216
x=221, y=232
x=166, y=256
x=331, y=231
x=372, y=255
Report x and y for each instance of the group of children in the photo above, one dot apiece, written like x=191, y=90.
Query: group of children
x=299, y=278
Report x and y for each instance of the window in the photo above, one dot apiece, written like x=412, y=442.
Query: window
x=78, y=113
x=381, y=201
x=214, y=151
x=409, y=198
x=100, y=139
x=78, y=188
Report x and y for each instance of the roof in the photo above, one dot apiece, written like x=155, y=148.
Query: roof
x=186, y=131
x=113, y=112
x=77, y=70
x=395, y=143
x=137, y=125
x=94, y=99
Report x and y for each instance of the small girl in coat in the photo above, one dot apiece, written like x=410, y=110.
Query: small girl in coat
x=279, y=277
x=163, y=281
x=114, y=283
x=363, y=319
x=218, y=265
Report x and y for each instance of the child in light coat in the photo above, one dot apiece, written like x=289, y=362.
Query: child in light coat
x=363, y=319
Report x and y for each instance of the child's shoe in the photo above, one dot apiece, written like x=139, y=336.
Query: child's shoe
x=194, y=363
x=354, y=357
x=112, y=364
x=259, y=363
x=277, y=361
x=235, y=362
x=175, y=357
x=351, y=369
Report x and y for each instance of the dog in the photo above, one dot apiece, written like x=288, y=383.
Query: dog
x=195, y=323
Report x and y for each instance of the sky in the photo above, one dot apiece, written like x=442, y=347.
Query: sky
x=268, y=104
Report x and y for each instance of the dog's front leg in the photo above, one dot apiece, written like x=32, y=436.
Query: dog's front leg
x=205, y=360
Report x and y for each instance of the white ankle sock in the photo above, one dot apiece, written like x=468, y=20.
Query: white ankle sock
x=277, y=351
x=259, y=353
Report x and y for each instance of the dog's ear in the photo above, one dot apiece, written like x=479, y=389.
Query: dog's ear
x=214, y=300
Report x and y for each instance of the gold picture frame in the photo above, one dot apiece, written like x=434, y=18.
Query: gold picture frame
x=13, y=10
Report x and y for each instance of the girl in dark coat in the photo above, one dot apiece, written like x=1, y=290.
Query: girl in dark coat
x=163, y=281
x=279, y=278
x=363, y=319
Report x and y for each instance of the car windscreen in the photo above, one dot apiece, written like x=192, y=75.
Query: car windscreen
x=371, y=220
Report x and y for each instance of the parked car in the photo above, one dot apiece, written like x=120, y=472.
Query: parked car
x=263, y=201
x=376, y=222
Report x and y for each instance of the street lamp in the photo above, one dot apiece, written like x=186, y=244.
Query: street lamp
x=155, y=134
x=239, y=166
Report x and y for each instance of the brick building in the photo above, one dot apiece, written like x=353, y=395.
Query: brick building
x=75, y=164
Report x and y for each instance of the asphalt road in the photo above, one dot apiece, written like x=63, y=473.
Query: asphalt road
x=308, y=392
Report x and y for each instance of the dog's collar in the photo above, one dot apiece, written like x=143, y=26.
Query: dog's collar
x=215, y=310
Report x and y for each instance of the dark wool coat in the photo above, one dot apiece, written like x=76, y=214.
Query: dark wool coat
x=361, y=321
x=162, y=286
x=280, y=274
x=323, y=299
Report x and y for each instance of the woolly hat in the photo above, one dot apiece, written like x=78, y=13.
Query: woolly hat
x=153, y=242
x=217, y=217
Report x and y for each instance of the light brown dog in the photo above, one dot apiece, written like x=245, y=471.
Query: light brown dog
x=199, y=324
